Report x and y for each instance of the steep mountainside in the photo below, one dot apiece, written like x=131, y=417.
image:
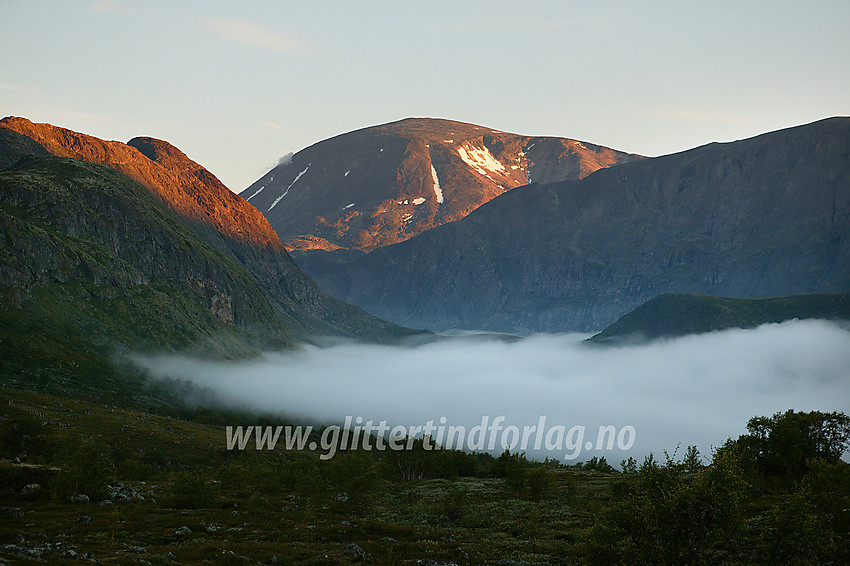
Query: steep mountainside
x=89, y=251
x=90, y=259
x=384, y=184
x=766, y=216
x=672, y=315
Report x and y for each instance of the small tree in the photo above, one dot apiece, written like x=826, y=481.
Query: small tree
x=629, y=466
x=692, y=462
x=538, y=482
x=598, y=464
x=515, y=473
x=453, y=504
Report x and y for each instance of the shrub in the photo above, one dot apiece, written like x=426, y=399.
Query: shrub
x=453, y=504
x=135, y=470
x=513, y=468
x=629, y=466
x=598, y=464
x=191, y=490
x=538, y=482
x=669, y=517
x=811, y=525
x=86, y=471
x=233, y=478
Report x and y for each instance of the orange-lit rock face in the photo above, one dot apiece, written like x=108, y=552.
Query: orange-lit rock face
x=310, y=243
x=385, y=184
x=183, y=184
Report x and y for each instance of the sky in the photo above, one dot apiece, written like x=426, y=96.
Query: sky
x=696, y=390
x=236, y=85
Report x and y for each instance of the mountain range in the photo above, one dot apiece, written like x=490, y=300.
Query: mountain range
x=135, y=246
x=385, y=184
x=765, y=216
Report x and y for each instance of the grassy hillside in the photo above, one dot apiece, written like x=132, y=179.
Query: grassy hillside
x=672, y=315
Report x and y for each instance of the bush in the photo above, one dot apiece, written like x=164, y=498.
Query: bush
x=135, y=470
x=538, y=483
x=669, y=517
x=191, y=490
x=629, y=466
x=513, y=468
x=86, y=471
x=811, y=525
x=453, y=504
x=19, y=434
x=233, y=478
x=597, y=464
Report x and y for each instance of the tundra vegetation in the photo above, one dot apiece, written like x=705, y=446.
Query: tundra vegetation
x=139, y=484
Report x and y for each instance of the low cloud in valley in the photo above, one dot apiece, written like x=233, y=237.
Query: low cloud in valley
x=693, y=390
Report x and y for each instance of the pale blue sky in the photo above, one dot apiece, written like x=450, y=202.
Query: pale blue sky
x=238, y=84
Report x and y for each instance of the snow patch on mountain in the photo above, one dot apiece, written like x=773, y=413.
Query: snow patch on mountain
x=419, y=200
x=258, y=192
x=437, y=190
x=481, y=160
x=298, y=176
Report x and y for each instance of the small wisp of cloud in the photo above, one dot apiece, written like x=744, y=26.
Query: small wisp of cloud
x=18, y=88
x=285, y=160
x=250, y=33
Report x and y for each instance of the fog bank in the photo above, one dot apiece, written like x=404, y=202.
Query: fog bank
x=693, y=390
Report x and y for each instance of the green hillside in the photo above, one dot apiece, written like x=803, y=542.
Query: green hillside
x=672, y=315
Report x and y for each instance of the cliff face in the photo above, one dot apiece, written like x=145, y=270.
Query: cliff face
x=767, y=216
x=178, y=181
x=385, y=184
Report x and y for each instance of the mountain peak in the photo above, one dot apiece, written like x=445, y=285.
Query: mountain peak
x=166, y=171
x=384, y=184
x=434, y=128
x=157, y=150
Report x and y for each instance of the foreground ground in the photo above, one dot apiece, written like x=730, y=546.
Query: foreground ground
x=258, y=507
x=85, y=480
